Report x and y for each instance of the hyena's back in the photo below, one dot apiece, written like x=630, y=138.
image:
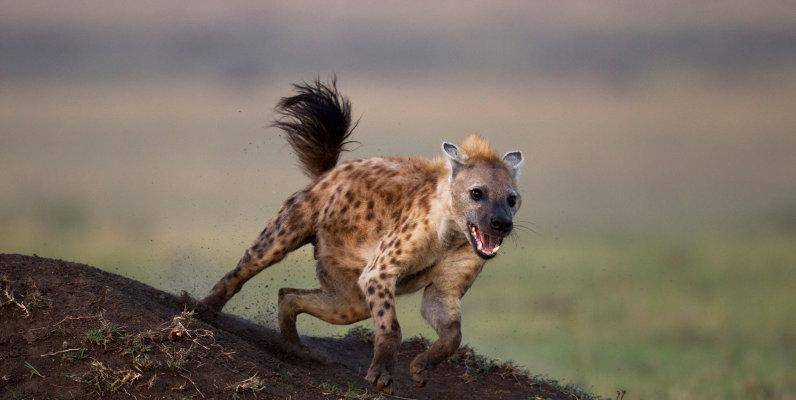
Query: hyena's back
x=354, y=205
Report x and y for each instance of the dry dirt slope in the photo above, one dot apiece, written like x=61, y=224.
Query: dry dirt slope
x=72, y=331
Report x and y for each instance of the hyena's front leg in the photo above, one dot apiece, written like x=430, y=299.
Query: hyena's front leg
x=441, y=310
x=379, y=290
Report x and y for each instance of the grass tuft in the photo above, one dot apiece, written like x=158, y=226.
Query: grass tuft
x=75, y=355
x=350, y=392
x=103, y=380
x=176, y=359
x=102, y=335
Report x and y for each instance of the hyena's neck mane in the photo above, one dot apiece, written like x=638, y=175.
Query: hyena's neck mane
x=440, y=212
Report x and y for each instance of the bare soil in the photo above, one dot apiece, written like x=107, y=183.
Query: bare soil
x=71, y=331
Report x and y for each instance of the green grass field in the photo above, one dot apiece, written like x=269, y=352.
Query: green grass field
x=705, y=315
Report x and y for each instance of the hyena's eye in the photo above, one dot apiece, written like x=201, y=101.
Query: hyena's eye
x=512, y=200
x=476, y=194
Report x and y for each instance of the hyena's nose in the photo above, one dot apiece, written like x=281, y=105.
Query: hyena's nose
x=500, y=224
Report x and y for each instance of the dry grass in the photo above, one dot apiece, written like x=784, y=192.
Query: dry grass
x=351, y=392
x=167, y=348
x=251, y=384
x=30, y=299
x=104, y=380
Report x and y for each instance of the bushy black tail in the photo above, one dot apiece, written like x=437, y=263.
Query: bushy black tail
x=317, y=123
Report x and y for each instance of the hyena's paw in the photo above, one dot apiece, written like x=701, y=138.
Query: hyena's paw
x=203, y=310
x=380, y=377
x=208, y=309
x=418, y=369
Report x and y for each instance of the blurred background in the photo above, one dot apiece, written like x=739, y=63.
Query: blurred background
x=660, y=172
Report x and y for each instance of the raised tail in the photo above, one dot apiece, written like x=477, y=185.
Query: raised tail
x=317, y=123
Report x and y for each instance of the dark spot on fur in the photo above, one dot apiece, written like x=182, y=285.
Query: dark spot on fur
x=386, y=305
x=381, y=313
x=383, y=275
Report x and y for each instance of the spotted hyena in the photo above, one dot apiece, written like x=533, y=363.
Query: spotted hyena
x=381, y=227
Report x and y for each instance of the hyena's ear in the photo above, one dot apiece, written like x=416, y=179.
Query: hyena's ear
x=455, y=158
x=513, y=159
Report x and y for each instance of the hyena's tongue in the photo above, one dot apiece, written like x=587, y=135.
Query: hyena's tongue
x=487, y=244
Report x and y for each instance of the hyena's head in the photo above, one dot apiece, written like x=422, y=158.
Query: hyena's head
x=484, y=192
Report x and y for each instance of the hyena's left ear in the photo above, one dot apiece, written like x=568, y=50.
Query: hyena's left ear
x=455, y=157
x=513, y=159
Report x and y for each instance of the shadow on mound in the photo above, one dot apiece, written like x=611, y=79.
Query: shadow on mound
x=73, y=331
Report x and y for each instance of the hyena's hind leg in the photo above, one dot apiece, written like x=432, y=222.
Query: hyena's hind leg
x=291, y=229
x=333, y=308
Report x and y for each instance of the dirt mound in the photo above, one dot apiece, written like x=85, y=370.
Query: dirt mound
x=72, y=331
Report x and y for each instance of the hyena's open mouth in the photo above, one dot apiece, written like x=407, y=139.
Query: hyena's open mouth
x=485, y=245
